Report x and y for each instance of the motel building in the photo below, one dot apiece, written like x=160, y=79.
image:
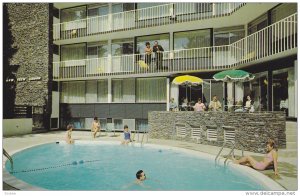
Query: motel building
x=89, y=59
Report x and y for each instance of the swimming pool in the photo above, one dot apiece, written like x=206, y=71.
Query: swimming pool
x=111, y=166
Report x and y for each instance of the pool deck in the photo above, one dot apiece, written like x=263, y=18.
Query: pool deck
x=288, y=166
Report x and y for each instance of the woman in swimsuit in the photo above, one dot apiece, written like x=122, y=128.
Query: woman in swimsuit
x=269, y=159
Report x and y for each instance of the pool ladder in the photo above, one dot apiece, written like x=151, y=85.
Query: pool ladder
x=142, y=139
x=231, y=151
x=9, y=158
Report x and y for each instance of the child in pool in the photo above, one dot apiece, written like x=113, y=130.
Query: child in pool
x=127, y=135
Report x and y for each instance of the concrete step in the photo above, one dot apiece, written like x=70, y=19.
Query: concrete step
x=291, y=145
x=291, y=131
x=287, y=153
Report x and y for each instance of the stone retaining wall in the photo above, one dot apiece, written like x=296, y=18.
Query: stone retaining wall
x=252, y=130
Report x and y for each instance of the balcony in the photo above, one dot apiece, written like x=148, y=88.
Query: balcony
x=142, y=18
x=278, y=38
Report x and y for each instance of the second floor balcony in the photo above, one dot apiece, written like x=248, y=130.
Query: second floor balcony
x=165, y=14
x=278, y=38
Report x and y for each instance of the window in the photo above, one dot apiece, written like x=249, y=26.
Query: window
x=226, y=36
x=282, y=11
x=191, y=8
x=151, y=90
x=118, y=124
x=72, y=14
x=97, y=50
x=73, y=52
x=123, y=90
x=163, y=40
x=98, y=10
x=73, y=92
x=192, y=40
x=122, y=47
x=258, y=24
x=284, y=91
x=102, y=94
x=141, y=125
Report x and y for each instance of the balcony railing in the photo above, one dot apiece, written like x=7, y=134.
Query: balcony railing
x=278, y=37
x=142, y=18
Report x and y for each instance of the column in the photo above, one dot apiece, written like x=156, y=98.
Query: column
x=109, y=90
x=168, y=93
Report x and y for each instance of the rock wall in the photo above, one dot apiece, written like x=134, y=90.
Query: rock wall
x=252, y=130
x=30, y=29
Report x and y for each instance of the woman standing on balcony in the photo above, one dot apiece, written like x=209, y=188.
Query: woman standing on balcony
x=148, y=52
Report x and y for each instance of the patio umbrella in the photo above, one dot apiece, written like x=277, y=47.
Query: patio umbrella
x=233, y=75
x=187, y=80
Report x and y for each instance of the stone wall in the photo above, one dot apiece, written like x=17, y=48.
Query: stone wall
x=30, y=34
x=252, y=130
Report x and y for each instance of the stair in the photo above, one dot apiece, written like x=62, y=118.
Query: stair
x=291, y=141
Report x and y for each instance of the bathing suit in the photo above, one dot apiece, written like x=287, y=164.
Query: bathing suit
x=261, y=165
x=126, y=135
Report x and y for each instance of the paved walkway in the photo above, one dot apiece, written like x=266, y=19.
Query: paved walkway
x=287, y=166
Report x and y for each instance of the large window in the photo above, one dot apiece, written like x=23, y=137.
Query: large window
x=123, y=90
x=163, y=40
x=187, y=44
x=151, y=90
x=98, y=10
x=73, y=52
x=102, y=94
x=258, y=90
x=122, y=50
x=72, y=14
x=73, y=92
x=192, y=39
x=258, y=24
x=122, y=47
x=226, y=36
x=284, y=91
x=97, y=50
x=282, y=11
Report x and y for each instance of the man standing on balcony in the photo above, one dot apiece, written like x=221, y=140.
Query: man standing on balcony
x=158, y=50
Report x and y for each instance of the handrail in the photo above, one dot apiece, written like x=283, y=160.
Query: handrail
x=9, y=158
x=266, y=42
x=230, y=152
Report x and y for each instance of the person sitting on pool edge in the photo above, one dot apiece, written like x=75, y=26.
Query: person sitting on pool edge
x=127, y=135
x=69, y=139
x=270, y=159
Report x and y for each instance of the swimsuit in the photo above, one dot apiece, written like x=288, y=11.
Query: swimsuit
x=262, y=165
x=126, y=135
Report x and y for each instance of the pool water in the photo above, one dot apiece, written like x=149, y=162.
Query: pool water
x=111, y=166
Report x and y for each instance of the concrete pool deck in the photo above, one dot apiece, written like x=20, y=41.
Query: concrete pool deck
x=288, y=166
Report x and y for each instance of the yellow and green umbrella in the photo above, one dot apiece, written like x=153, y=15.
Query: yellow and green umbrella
x=233, y=75
x=187, y=80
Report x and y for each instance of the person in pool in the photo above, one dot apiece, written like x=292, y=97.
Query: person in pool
x=269, y=160
x=127, y=135
x=140, y=176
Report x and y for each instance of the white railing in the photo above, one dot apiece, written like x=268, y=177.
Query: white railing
x=278, y=37
x=142, y=18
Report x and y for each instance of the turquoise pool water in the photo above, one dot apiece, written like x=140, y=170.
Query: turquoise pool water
x=111, y=166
